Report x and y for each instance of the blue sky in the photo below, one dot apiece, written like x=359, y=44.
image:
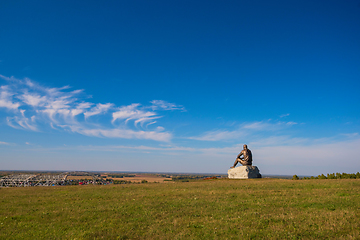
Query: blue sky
x=180, y=86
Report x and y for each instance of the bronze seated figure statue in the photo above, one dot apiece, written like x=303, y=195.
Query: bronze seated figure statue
x=244, y=157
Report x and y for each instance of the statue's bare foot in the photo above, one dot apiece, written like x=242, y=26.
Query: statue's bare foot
x=231, y=167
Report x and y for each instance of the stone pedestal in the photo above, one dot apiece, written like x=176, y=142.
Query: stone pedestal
x=244, y=172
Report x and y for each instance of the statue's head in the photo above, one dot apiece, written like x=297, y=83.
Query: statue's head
x=245, y=146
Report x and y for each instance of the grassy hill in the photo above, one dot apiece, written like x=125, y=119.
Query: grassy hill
x=211, y=209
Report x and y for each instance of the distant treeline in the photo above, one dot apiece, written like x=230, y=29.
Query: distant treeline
x=98, y=181
x=332, y=176
x=164, y=175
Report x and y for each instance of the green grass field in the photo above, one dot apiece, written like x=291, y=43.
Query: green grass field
x=212, y=209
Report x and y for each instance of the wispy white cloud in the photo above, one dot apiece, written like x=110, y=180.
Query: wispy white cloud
x=283, y=140
x=350, y=135
x=33, y=99
x=140, y=148
x=219, y=135
x=4, y=143
x=163, y=105
x=282, y=155
x=22, y=122
x=285, y=115
x=245, y=129
x=6, y=99
x=120, y=133
x=133, y=112
x=34, y=105
x=267, y=125
x=98, y=109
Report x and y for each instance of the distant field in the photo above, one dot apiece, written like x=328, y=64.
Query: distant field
x=211, y=209
x=139, y=178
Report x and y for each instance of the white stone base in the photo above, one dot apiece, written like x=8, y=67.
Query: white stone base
x=244, y=172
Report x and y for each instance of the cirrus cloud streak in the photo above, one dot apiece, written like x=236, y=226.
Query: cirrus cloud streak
x=31, y=106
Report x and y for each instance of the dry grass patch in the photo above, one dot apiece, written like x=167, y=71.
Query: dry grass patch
x=139, y=178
